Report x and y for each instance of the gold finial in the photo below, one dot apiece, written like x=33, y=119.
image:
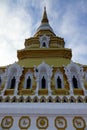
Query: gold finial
x=44, y=18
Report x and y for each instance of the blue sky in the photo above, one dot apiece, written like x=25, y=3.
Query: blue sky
x=19, y=20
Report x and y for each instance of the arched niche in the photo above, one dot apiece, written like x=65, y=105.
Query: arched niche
x=59, y=83
x=43, y=74
x=12, y=77
x=75, y=75
x=28, y=80
x=44, y=41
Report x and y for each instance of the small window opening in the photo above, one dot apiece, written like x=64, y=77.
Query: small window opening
x=43, y=83
x=59, y=84
x=28, y=86
x=13, y=81
x=75, y=84
x=44, y=44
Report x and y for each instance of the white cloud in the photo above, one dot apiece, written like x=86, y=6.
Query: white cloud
x=15, y=26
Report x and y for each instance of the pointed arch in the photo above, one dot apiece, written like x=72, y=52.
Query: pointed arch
x=14, y=99
x=80, y=99
x=43, y=99
x=64, y=99
x=28, y=84
x=74, y=82
x=28, y=99
x=59, y=80
x=35, y=99
x=43, y=83
x=43, y=74
x=75, y=75
x=28, y=80
x=44, y=41
x=13, y=74
x=13, y=83
x=72, y=99
x=57, y=99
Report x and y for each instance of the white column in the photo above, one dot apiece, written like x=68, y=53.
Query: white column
x=82, y=86
x=37, y=86
x=71, y=87
x=6, y=83
x=16, y=87
x=49, y=89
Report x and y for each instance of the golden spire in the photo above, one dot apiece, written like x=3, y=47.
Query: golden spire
x=44, y=18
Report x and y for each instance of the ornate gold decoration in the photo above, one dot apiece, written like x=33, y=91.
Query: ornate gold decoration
x=9, y=91
x=42, y=122
x=57, y=52
x=7, y=122
x=60, y=92
x=60, y=122
x=78, y=91
x=27, y=92
x=43, y=92
x=24, y=122
x=79, y=123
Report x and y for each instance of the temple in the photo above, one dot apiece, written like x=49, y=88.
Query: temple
x=44, y=89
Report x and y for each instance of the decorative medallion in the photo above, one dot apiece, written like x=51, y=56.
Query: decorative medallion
x=60, y=122
x=24, y=122
x=7, y=122
x=79, y=123
x=42, y=122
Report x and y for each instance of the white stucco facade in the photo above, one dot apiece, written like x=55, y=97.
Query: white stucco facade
x=64, y=112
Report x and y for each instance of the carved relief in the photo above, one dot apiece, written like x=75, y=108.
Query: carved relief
x=79, y=123
x=7, y=122
x=60, y=122
x=42, y=122
x=24, y=122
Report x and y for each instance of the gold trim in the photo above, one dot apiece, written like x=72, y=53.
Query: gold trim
x=60, y=92
x=27, y=92
x=77, y=121
x=9, y=91
x=24, y=122
x=43, y=92
x=78, y=91
x=7, y=124
x=42, y=122
x=42, y=53
x=61, y=121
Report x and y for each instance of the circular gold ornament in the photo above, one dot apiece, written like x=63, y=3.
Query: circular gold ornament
x=60, y=122
x=42, y=122
x=79, y=122
x=7, y=122
x=24, y=122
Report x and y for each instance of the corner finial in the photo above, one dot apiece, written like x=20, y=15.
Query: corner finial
x=44, y=18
